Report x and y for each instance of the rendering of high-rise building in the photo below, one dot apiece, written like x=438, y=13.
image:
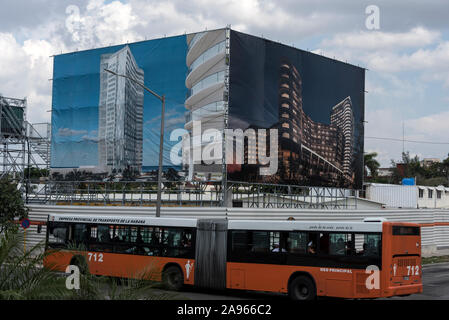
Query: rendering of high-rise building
x=120, y=113
x=206, y=102
x=309, y=148
x=342, y=117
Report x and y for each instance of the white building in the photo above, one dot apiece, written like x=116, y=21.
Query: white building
x=343, y=117
x=207, y=102
x=120, y=113
x=407, y=197
x=433, y=197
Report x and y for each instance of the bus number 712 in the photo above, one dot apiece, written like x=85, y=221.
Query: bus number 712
x=96, y=258
x=412, y=270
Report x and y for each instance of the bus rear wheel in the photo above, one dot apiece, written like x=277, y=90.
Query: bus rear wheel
x=302, y=288
x=172, y=278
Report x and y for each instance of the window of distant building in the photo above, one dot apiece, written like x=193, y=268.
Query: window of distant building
x=430, y=194
x=421, y=193
x=286, y=135
x=438, y=194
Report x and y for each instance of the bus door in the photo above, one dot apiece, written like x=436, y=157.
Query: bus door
x=210, y=253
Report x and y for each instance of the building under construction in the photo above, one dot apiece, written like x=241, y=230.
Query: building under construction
x=22, y=144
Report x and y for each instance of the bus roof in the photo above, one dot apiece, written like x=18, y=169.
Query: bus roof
x=124, y=220
x=334, y=226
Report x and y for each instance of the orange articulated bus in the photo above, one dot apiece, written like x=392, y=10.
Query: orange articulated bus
x=304, y=259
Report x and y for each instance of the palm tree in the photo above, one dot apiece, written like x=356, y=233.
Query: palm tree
x=22, y=276
x=371, y=164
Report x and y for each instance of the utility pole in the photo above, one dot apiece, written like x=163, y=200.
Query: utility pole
x=161, y=143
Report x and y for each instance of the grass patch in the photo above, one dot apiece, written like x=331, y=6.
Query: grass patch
x=431, y=260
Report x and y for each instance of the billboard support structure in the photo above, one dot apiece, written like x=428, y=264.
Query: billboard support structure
x=224, y=177
x=23, y=144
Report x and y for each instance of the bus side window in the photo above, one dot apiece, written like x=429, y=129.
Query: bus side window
x=297, y=242
x=103, y=233
x=275, y=242
x=57, y=234
x=324, y=243
x=341, y=244
x=368, y=244
x=80, y=234
x=186, y=240
x=240, y=241
x=373, y=244
x=260, y=241
x=312, y=243
x=146, y=233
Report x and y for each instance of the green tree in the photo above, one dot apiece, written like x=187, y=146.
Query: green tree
x=21, y=276
x=433, y=175
x=129, y=174
x=371, y=164
x=11, y=204
x=34, y=173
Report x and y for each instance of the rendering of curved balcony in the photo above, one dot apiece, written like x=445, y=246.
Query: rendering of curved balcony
x=201, y=42
x=207, y=86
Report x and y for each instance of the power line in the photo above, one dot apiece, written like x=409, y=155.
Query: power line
x=403, y=140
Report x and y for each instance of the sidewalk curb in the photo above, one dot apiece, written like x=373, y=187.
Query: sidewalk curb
x=435, y=264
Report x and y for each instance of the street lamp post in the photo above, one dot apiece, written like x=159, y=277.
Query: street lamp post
x=161, y=143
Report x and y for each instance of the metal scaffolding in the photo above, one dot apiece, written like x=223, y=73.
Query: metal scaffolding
x=22, y=145
x=190, y=194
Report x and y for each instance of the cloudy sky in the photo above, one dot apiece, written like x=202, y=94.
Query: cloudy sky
x=407, y=58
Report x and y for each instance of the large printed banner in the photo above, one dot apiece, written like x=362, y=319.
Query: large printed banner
x=315, y=103
x=101, y=120
x=287, y=115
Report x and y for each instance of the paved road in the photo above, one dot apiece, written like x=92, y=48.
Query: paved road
x=435, y=282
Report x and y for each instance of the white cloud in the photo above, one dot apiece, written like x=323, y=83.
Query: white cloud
x=434, y=59
x=417, y=48
x=26, y=69
x=432, y=127
x=388, y=123
x=67, y=132
x=380, y=40
x=102, y=24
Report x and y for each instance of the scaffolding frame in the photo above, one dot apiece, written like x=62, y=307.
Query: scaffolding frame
x=22, y=145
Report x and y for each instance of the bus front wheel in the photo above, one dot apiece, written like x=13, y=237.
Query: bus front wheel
x=172, y=278
x=302, y=288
